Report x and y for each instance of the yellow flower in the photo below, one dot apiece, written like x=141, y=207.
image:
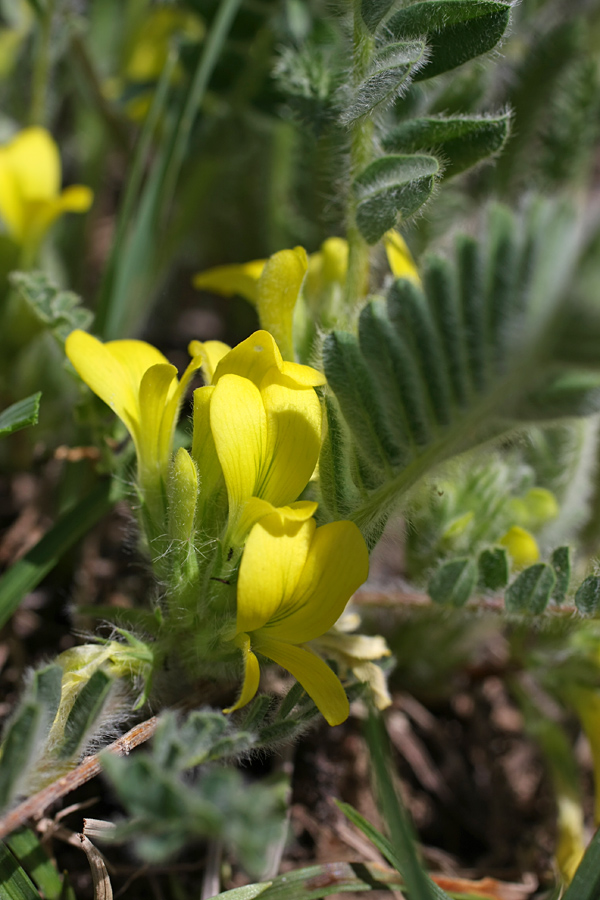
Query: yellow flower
x=30, y=194
x=294, y=582
x=271, y=285
x=265, y=425
x=522, y=547
x=141, y=387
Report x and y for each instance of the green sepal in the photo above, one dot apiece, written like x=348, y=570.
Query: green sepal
x=493, y=568
x=456, y=30
x=531, y=590
x=389, y=73
x=587, y=598
x=389, y=186
x=373, y=11
x=561, y=563
x=453, y=582
x=85, y=712
x=20, y=414
x=460, y=142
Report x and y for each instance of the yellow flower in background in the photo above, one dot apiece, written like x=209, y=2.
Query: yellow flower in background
x=294, y=582
x=273, y=285
x=522, y=547
x=264, y=418
x=141, y=387
x=30, y=194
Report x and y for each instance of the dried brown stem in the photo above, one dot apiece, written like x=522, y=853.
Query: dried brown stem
x=34, y=807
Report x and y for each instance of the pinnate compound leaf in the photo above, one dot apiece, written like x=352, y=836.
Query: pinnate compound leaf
x=392, y=185
x=20, y=415
x=373, y=11
x=453, y=582
x=481, y=348
x=390, y=73
x=456, y=30
x=587, y=598
x=460, y=142
x=531, y=590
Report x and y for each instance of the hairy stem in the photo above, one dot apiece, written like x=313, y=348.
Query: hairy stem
x=361, y=149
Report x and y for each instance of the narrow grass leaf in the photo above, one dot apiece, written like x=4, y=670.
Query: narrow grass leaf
x=586, y=881
x=418, y=883
x=14, y=881
x=27, y=848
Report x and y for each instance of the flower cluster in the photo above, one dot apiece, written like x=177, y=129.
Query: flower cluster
x=256, y=442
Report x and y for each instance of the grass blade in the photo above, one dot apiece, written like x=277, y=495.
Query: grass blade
x=586, y=882
x=26, y=846
x=14, y=881
x=418, y=883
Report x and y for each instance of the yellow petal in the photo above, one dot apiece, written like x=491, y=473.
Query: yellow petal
x=399, y=257
x=76, y=198
x=12, y=206
x=273, y=560
x=315, y=676
x=370, y=674
x=175, y=400
x=104, y=373
x=204, y=451
x=335, y=260
x=278, y=290
x=212, y=352
x=230, y=280
x=156, y=429
x=291, y=452
x=251, y=359
x=238, y=423
x=336, y=565
x=251, y=674
x=302, y=376
x=136, y=357
x=256, y=509
x=35, y=163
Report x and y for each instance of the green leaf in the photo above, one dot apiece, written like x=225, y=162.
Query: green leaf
x=389, y=73
x=493, y=568
x=453, y=582
x=460, y=142
x=455, y=30
x=27, y=573
x=336, y=485
x=27, y=848
x=418, y=883
x=385, y=846
x=15, y=883
x=56, y=309
x=561, y=563
x=587, y=598
x=85, y=712
x=531, y=590
x=19, y=748
x=586, y=881
x=373, y=11
x=390, y=186
x=20, y=415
